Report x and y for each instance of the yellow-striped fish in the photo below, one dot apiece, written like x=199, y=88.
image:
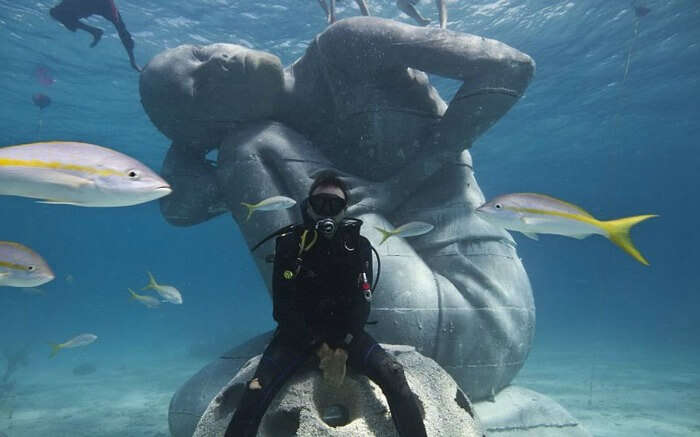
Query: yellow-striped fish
x=79, y=341
x=167, y=292
x=533, y=214
x=273, y=203
x=149, y=301
x=410, y=229
x=20, y=266
x=77, y=174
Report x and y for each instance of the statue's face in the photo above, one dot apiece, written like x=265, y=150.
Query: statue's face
x=190, y=90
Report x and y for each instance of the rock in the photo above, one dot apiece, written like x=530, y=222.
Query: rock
x=537, y=415
x=357, y=408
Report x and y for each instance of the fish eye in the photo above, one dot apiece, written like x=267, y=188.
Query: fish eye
x=31, y=268
x=133, y=174
x=498, y=206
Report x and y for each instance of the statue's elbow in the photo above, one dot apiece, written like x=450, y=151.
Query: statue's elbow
x=523, y=70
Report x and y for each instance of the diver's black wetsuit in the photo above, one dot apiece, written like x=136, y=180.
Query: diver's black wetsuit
x=69, y=13
x=317, y=300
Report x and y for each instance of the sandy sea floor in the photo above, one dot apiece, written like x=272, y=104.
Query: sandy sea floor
x=633, y=393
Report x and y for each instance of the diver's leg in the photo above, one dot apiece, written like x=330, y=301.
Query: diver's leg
x=325, y=9
x=363, y=7
x=442, y=10
x=406, y=6
x=279, y=362
x=96, y=32
x=332, y=17
x=367, y=356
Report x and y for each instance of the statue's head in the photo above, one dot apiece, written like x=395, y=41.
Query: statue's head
x=196, y=93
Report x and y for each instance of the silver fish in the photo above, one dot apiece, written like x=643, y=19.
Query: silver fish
x=77, y=174
x=532, y=214
x=22, y=267
x=78, y=341
x=167, y=292
x=273, y=203
x=410, y=229
x=149, y=301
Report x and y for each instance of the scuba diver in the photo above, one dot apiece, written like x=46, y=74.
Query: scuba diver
x=69, y=12
x=321, y=298
x=330, y=13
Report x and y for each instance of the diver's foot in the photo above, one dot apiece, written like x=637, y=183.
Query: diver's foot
x=97, y=36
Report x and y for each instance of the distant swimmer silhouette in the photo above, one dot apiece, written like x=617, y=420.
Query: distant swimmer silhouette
x=69, y=13
x=330, y=12
x=408, y=7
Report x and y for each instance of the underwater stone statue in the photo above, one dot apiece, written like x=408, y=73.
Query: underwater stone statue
x=358, y=101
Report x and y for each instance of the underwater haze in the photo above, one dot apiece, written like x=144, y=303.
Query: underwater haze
x=610, y=122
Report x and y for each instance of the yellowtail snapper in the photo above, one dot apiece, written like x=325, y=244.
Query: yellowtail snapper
x=20, y=266
x=273, y=203
x=77, y=174
x=80, y=340
x=533, y=214
x=410, y=229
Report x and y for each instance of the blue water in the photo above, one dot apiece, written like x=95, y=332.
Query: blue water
x=581, y=133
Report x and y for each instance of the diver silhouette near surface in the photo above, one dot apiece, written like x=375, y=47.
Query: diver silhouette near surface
x=321, y=298
x=69, y=13
x=408, y=7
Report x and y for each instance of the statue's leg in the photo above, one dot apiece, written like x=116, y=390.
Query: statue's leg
x=195, y=197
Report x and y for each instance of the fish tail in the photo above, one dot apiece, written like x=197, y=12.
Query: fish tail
x=151, y=282
x=55, y=348
x=133, y=295
x=385, y=234
x=618, y=231
x=251, y=209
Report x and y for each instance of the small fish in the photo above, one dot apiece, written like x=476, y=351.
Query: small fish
x=410, y=229
x=273, y=203
x=22, y=267
x=79, y=174
x=149, y=301
x=533, y=214
x=80, y=340
x=167, y=292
